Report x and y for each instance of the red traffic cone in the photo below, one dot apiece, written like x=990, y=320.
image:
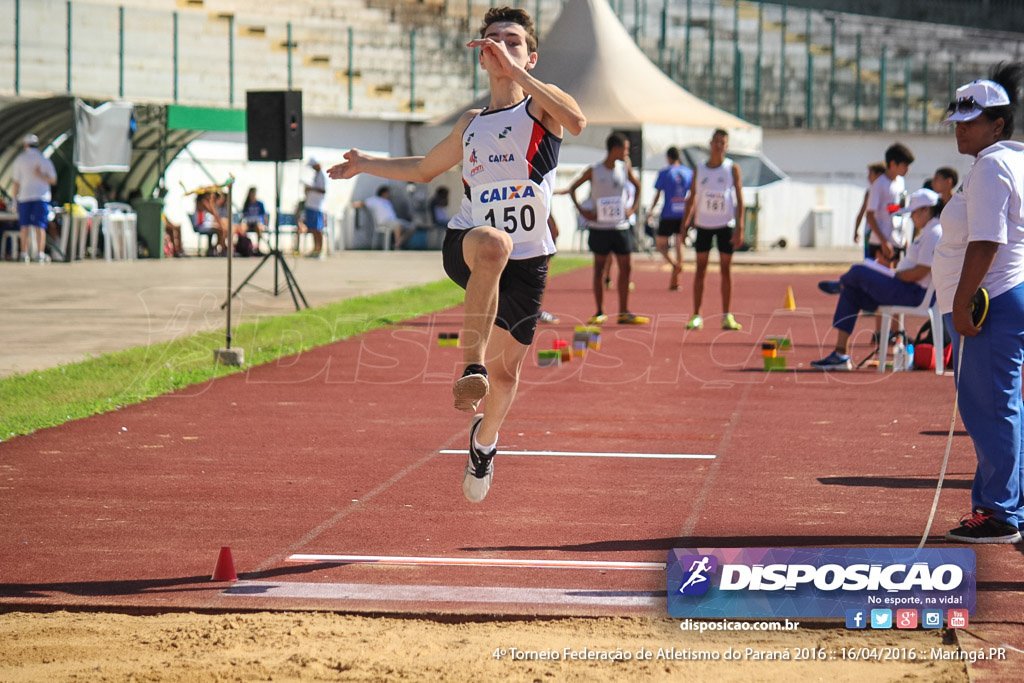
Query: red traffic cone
x=225, y=570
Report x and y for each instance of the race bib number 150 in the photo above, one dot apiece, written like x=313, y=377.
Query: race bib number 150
x=519, y=208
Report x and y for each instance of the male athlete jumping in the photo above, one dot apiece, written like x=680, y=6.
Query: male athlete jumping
x=497, y=246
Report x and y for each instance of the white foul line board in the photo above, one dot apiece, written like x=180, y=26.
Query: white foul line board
x=588, y=454
x=450, y=594
x=476, y=562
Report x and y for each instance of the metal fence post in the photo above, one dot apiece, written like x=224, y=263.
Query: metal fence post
x=906, y=94
x=924, y=100
x=289, y=39
x=663, y=34
x=686, y=48
x=856, y=90
x=175, y=57
x=882, y=86
x=351, y=71
x=738, y=78
x=760, y=55
x=231, y=60
x=782, y=65
x=832, y=78
x=120, y=51
x=809, y=96
x=711, y=53
x=412, y=70
x=69, y=48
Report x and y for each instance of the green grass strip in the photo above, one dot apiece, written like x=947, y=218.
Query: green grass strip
x=50, y=397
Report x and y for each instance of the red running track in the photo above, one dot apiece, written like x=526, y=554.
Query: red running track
x=336, y=451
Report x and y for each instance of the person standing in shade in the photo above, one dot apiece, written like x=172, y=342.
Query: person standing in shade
x=497, y=245
x=314, y=215
x=715, y=208
x=982, y=246
x=885, y=198
x=674, y=181
x=608, y=221
x=33, y=174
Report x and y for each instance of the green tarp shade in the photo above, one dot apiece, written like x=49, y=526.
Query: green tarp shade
x=205, y=118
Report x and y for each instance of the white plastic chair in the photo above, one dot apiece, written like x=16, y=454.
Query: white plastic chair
x=929, y=307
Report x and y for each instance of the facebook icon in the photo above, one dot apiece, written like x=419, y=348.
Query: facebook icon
x=856, y=618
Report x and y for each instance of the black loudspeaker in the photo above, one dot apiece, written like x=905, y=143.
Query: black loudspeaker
x=273, y=122
x=636, y=147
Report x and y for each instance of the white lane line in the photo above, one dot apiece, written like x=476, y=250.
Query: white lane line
x=476, y=562
x=589, y=454
x=449, y=594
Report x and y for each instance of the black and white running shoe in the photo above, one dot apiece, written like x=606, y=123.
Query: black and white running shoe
x=476, y=481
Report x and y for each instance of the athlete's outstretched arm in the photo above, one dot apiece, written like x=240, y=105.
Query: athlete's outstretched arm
x=442, y=157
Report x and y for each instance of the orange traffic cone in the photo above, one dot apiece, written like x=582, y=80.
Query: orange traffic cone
x=225, y=570
x=790, y=302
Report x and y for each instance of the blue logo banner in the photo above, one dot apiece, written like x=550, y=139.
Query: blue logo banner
x=817, y=582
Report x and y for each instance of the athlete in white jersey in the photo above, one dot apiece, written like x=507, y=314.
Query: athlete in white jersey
x=715, y=208
x=608, y=222
x=496, y=247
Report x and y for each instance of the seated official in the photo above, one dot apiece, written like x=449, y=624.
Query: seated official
x=385, y=217
x=865, y=288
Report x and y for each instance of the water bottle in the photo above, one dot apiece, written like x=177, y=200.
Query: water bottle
x=910, y=357
x=899, y=356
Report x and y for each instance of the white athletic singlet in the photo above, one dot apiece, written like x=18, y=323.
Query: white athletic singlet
x=715, y=196
x=508, y=172
x=608, y=193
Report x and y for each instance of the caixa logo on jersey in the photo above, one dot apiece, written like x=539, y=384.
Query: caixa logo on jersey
x=816, y=582
x=503, y=193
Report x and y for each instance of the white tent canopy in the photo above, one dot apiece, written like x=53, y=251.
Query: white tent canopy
x=589, y=54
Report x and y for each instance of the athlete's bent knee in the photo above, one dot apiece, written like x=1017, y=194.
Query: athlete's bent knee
x=491, y=247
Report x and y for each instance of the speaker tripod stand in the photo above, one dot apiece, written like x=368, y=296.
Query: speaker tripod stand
x=275, y=253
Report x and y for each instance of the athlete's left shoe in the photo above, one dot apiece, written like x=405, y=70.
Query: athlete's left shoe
x=471, y=388
x=631, y=319
x=981, y=526
x=476, y=481
x=729, y=323
x=598, y=319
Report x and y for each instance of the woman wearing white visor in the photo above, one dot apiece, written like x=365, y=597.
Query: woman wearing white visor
x=982, y=246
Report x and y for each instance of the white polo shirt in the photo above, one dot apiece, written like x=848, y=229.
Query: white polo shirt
x=883, y=194
x=32, y=188
x=986, y=208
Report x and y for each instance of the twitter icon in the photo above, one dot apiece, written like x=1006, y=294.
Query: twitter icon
x=881, y=618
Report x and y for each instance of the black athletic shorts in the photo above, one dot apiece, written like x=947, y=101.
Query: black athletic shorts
x=723, y=236
x=669, y=226
x=604, y=242
x=520, y=288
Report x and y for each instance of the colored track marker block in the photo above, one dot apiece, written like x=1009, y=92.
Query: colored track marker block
x=448, y=339
x=579, y=349
x=548, y=358
x=581, y=337
x=559, y=344
x=774, y=364
x=566, y=354
x=769, y=353
x=225, y=569
x=783, y=343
